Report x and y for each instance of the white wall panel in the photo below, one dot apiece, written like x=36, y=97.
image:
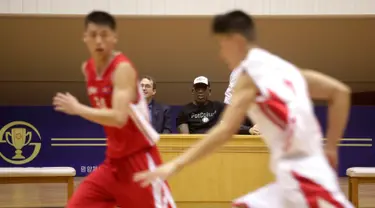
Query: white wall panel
x=30, y=6
x=44, y=6
x=144, y=6
x=58, y=5
x=123, y=7
x=189, y=7
x=174, y=7
x=16, y=6
x=4, y=6
x=99, y=4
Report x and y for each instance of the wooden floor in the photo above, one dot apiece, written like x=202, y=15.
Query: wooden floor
x=54, y=195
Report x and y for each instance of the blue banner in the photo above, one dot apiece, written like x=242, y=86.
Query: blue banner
x=41, y=137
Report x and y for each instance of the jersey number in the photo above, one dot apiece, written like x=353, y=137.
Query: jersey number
x=100, y=102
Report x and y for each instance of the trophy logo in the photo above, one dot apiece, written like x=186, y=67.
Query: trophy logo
x=17, y=135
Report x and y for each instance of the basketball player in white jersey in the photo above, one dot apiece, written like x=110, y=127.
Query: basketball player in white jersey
x=276, y=95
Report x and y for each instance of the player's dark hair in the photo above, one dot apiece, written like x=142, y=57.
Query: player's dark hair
x=151, y=79
x=101, y=18
x=235, y=21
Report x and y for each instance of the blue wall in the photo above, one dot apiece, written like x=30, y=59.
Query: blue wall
x=72, y=141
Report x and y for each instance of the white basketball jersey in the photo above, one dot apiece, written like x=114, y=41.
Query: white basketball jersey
x=232, y=82
x=283, y=109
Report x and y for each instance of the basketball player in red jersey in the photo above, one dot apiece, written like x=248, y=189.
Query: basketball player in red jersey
x=118, y=105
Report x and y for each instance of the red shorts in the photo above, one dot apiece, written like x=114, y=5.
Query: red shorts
x=111, y=184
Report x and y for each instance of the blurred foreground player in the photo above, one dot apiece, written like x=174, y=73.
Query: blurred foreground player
x=118, y=105
x=275, y=94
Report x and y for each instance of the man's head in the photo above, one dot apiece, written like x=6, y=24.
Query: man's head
x=201, y=90
x=100, y=33
x=148, y=85
x=234, y=31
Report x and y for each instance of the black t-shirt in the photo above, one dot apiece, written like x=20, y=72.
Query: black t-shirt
x=200, y=118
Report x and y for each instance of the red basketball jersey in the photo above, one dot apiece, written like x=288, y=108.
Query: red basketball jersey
x=137, y=134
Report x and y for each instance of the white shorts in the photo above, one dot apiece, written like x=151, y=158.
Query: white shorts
x=314, y=185
x=271, y=196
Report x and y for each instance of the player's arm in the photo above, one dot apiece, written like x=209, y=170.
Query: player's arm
x=337, y=94
x=124, y=82
x=232, y=118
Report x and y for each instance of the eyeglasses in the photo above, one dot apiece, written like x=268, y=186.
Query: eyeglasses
x=146, y=86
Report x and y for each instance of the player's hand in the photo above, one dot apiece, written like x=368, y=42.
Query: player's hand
x=254, y=130
x=332, y=154
x=162, y=173
x=65, y=102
